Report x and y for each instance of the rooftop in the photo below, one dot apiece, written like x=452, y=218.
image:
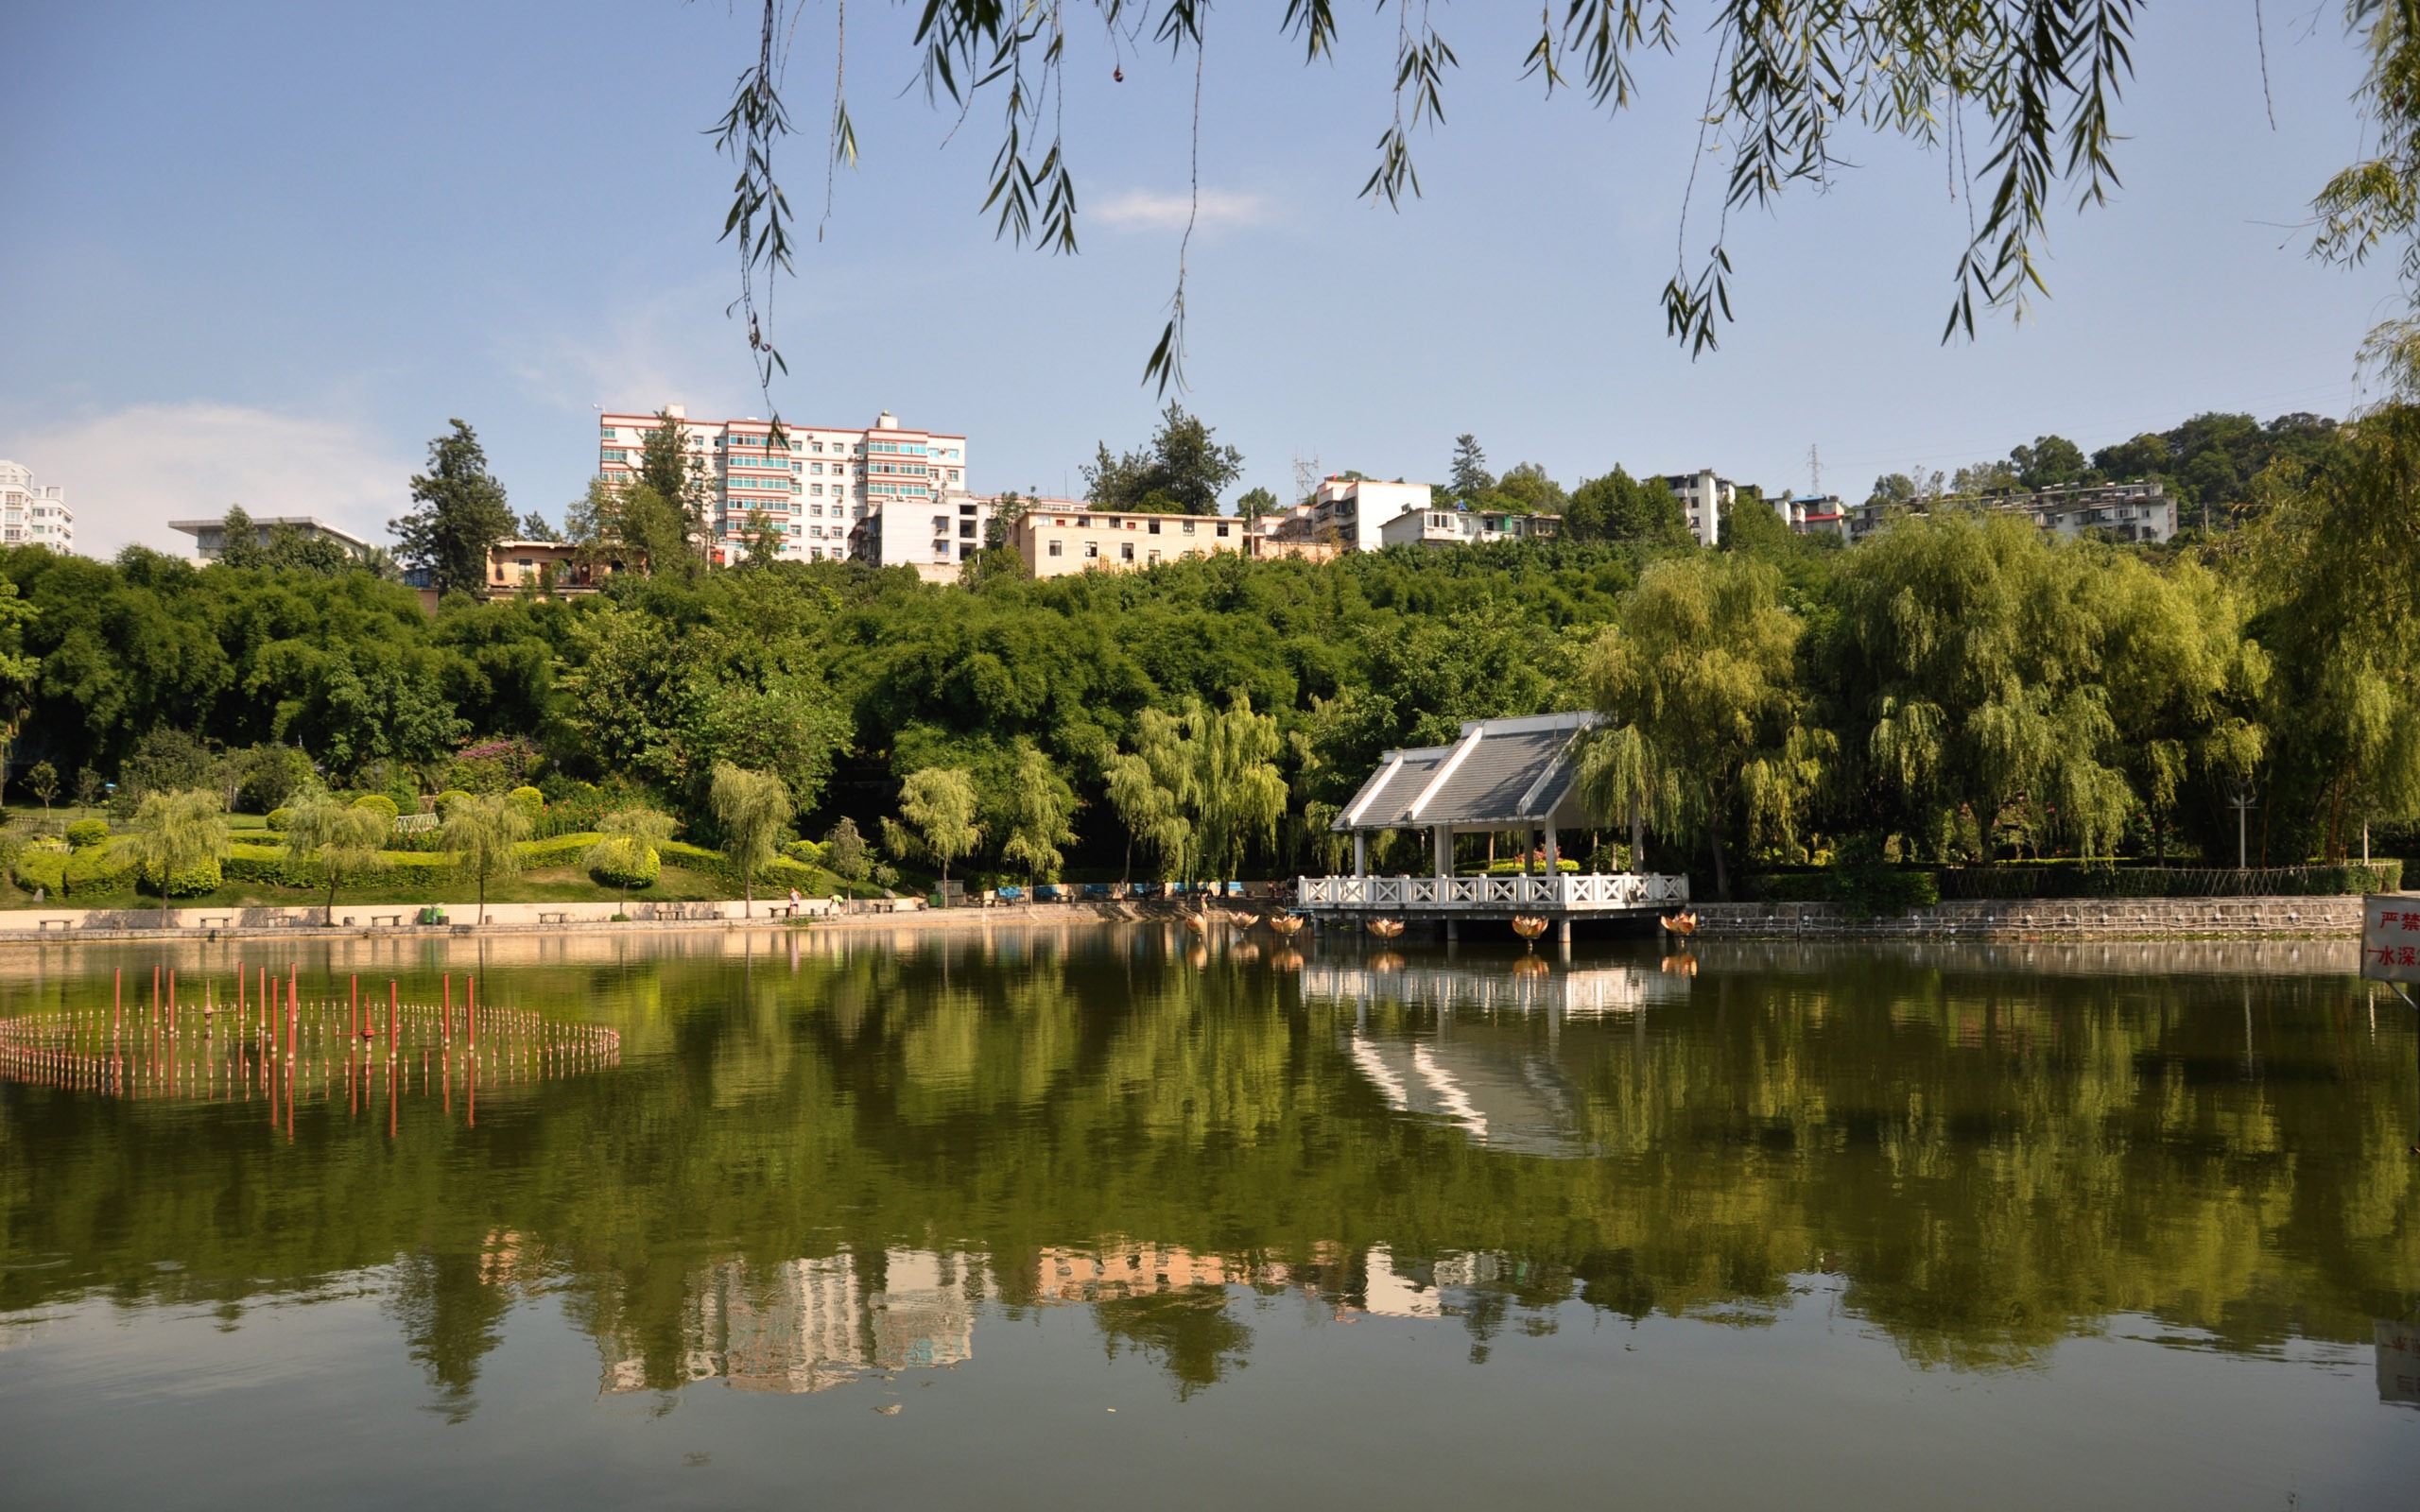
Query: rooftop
x=1502, y=774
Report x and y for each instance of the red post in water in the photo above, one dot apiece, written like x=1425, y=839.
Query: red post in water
x=390, y=1018
x=449, y=1007
x=155, y=999
x=172, y=1003
x=117, y=1003
x=356, y=1005
x=471, y=985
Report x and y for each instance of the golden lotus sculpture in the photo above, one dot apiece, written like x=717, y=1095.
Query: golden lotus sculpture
x=1386, y=928
x=1286, y=925
x=1530, y=926
x=1684, y=922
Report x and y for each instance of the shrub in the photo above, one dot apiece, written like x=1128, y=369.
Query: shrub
x=88, y=833
x=446, y=800
x=529, y=801
x=269, y=864
x=378, y=804
x=278, y=818
x=808, y=852
x=621, y=862
x=100, y=868
x=41, y=867
x=777, y=875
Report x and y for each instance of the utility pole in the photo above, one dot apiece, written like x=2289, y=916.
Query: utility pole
x=1815, y=471
x=2241, y=803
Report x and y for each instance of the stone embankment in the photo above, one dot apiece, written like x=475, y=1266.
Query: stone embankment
x=2304, y=918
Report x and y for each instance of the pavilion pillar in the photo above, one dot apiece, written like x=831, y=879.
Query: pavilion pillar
x=1361, y=853
x=1445, y=850
x=1554, y=852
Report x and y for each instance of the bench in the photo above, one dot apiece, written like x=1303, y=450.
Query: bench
x=217, y=921
x=392, y=920
x=557, y=917
x=55, y=924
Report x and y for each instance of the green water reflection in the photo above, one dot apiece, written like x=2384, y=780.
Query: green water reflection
x=825, y=1157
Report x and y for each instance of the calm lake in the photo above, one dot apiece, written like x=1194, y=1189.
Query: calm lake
x=1102, y=1217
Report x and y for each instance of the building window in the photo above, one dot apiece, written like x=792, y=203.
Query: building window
x=1188, y=527
x=1126, y=551
x=1091, y=548
x=1222, y=532
x=1155, y=527
x=1053, y=550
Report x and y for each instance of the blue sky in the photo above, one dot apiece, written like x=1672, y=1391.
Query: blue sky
x=262, y=252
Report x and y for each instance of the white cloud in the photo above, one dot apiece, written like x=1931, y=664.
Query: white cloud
x=1148, y=210
x=127, y=473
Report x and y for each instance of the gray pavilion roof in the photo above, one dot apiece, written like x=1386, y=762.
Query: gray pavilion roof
x=1502, y=774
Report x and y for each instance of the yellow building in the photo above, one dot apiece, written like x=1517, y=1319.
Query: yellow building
x=1055, y=543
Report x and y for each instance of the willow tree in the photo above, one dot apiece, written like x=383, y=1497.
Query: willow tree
x=1701, y=663
x=936, y=823
x=175, y=834
x=344, y=840
x=750, y=808
x=2335, y=558
x=626, y=846
x=1039, y=805
x=485, y=833
x=1202, y=785
x=1970, y=657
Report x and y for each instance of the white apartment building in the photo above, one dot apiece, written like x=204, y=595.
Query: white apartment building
x=1354, y=512
x=1704, y=497
x=32, y=515
x=934, y=536
x=815, y=488
x=210, y=536
x=1463, y=527
x=2139, y=512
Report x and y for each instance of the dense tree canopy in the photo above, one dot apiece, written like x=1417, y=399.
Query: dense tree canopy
x=1957, y=688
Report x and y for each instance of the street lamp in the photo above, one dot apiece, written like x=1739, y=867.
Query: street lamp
x=2241, y=803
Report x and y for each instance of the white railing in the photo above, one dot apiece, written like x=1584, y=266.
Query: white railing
x=1575, y=994
x=1570, y=893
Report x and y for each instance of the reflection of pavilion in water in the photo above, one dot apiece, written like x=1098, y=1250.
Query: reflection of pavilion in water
x=1525, y=986
x=1503, y=1090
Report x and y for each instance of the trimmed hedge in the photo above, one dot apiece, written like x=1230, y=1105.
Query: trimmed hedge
x=191, y=882
x=277, y=819
x=378, y=804
x=556, y=851
x=88, y=833
x=777, y=875
x=270, y=864
x=41, y=867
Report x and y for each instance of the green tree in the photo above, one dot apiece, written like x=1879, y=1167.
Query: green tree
x=42, y=780
x=1702, y=664
x=459, y=514
x=1468, y=478
x=751, y=809
x=627, y=845
x=343, y=840
x=484, y=833
x=1525, y=486
x=846, y=853
x=936, y=817
x=177, y=835
x=1147, y=787
x=673, y=467
x=1184, y=466
x=2051, y=462
x=1618, y=506
x=1254, y=504
x=17, y=672
x=239, y=540
x=1041, y=804
x=1202, y=785
x=536, y=527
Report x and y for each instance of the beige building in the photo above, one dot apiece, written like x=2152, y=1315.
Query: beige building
x=1057, y=541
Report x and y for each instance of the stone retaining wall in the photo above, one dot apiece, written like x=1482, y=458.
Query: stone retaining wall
x=2045, y=918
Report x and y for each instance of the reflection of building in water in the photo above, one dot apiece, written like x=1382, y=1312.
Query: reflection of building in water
x=1501, y=1092
x=1577, y=995
x=1424, y=1288
x=1115, y=1268
x=806, y=1324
